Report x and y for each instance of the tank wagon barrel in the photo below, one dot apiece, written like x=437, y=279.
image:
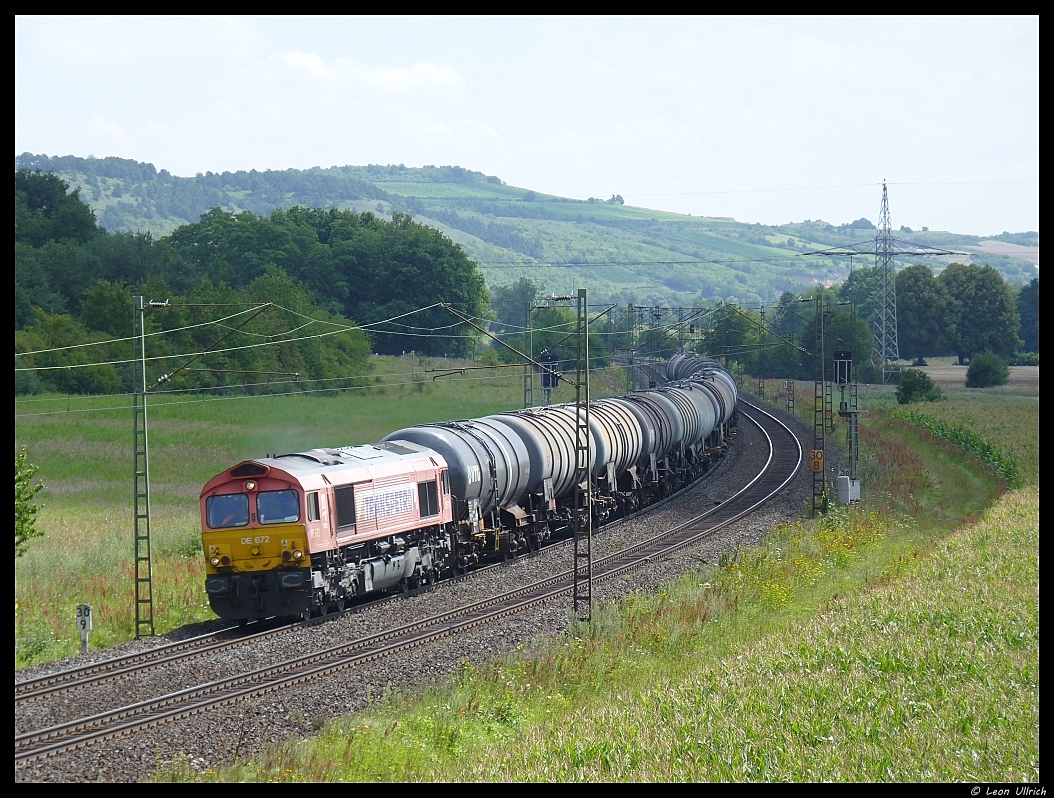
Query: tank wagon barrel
x=302, y=533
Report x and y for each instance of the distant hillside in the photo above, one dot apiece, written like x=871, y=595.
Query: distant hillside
x=622, y=253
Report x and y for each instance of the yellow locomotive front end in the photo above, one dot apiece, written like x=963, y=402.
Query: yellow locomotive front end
x=254, y=540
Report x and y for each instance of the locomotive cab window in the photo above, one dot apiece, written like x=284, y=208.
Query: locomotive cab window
x=278, y=506
x=231, y=509
x=312, y=507
x=446, y=482
x=427, y=498
x=344, y=499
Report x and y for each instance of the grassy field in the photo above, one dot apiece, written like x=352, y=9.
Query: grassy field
x=880, y=644
x=897, y=641
x=84, y=453
x=930, y=673
x=1006, y=416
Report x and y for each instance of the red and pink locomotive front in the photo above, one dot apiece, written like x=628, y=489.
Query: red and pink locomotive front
x=303, y=532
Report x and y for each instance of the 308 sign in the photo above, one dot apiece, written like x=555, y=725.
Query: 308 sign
x=816, y=461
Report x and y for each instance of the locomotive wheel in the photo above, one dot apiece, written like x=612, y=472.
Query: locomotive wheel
x=305, y=614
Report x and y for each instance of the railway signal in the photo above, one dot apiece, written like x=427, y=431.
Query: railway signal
x=848, y=485
x=550, y=377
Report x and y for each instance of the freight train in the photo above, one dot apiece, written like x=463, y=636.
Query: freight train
x=304, y=533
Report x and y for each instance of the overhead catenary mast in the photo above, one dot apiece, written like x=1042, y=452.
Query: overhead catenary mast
x=885, y=348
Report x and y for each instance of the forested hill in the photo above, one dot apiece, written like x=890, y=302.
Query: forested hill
x=131, y=196
x=622, y=253
x=290, y=288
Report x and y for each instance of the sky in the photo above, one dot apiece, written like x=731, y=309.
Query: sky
x=767, y=120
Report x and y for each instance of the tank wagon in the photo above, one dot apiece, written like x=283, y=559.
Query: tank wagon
x=300, y=534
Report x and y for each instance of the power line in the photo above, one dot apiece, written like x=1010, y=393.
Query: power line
x=592, y=264
x=202, y=400
x=342, y=329
x=582, y=199
x=122, y=340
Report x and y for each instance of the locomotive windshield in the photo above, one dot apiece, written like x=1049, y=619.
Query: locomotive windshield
x=278, y=506
x=229, y=510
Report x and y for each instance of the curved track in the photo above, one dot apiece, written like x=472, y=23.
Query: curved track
x=784, y=461
x=51, y=685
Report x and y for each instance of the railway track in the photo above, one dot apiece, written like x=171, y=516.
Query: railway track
x=229, y=639
x=782, y=464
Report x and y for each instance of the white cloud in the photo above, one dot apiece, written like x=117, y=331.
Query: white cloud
x=107, y=131
x=394, y=80
x=420, y=76
x=309, y=63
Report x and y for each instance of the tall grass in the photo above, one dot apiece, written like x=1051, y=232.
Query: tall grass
x=967, y=440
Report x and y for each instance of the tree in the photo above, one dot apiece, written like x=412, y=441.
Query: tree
x=779, y=358
x=357, y=265
x=1028, y=309
x=864, y=289
x=44, y=211
x=924, y=312
x=986, y=370
x=25, y=511
x=510, y=302
x=107, y=307
x=916, y=386
x=983, y=311
x=64, y=363
x=732, y=335
x=845, y=331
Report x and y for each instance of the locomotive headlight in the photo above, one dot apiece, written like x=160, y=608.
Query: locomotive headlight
x=214, y=561
x=298, y=555
x=287, y=556
x=225, y=560
x=250, y=485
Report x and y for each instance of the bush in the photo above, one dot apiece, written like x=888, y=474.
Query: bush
x=1023, y=359
x=916, y=386
x=986, y=370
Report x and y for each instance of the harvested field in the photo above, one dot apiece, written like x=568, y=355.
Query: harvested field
x=1023, y=379
x=1030, y=254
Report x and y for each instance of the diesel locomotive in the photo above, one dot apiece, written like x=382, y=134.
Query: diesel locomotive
x=302, y=533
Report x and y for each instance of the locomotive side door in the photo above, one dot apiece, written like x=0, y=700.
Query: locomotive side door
x=323, y=508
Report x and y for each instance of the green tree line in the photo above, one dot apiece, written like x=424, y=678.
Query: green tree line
x=74, y=283
x=964, y=310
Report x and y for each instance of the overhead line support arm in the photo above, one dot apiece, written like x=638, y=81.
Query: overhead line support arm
x=530, y=360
